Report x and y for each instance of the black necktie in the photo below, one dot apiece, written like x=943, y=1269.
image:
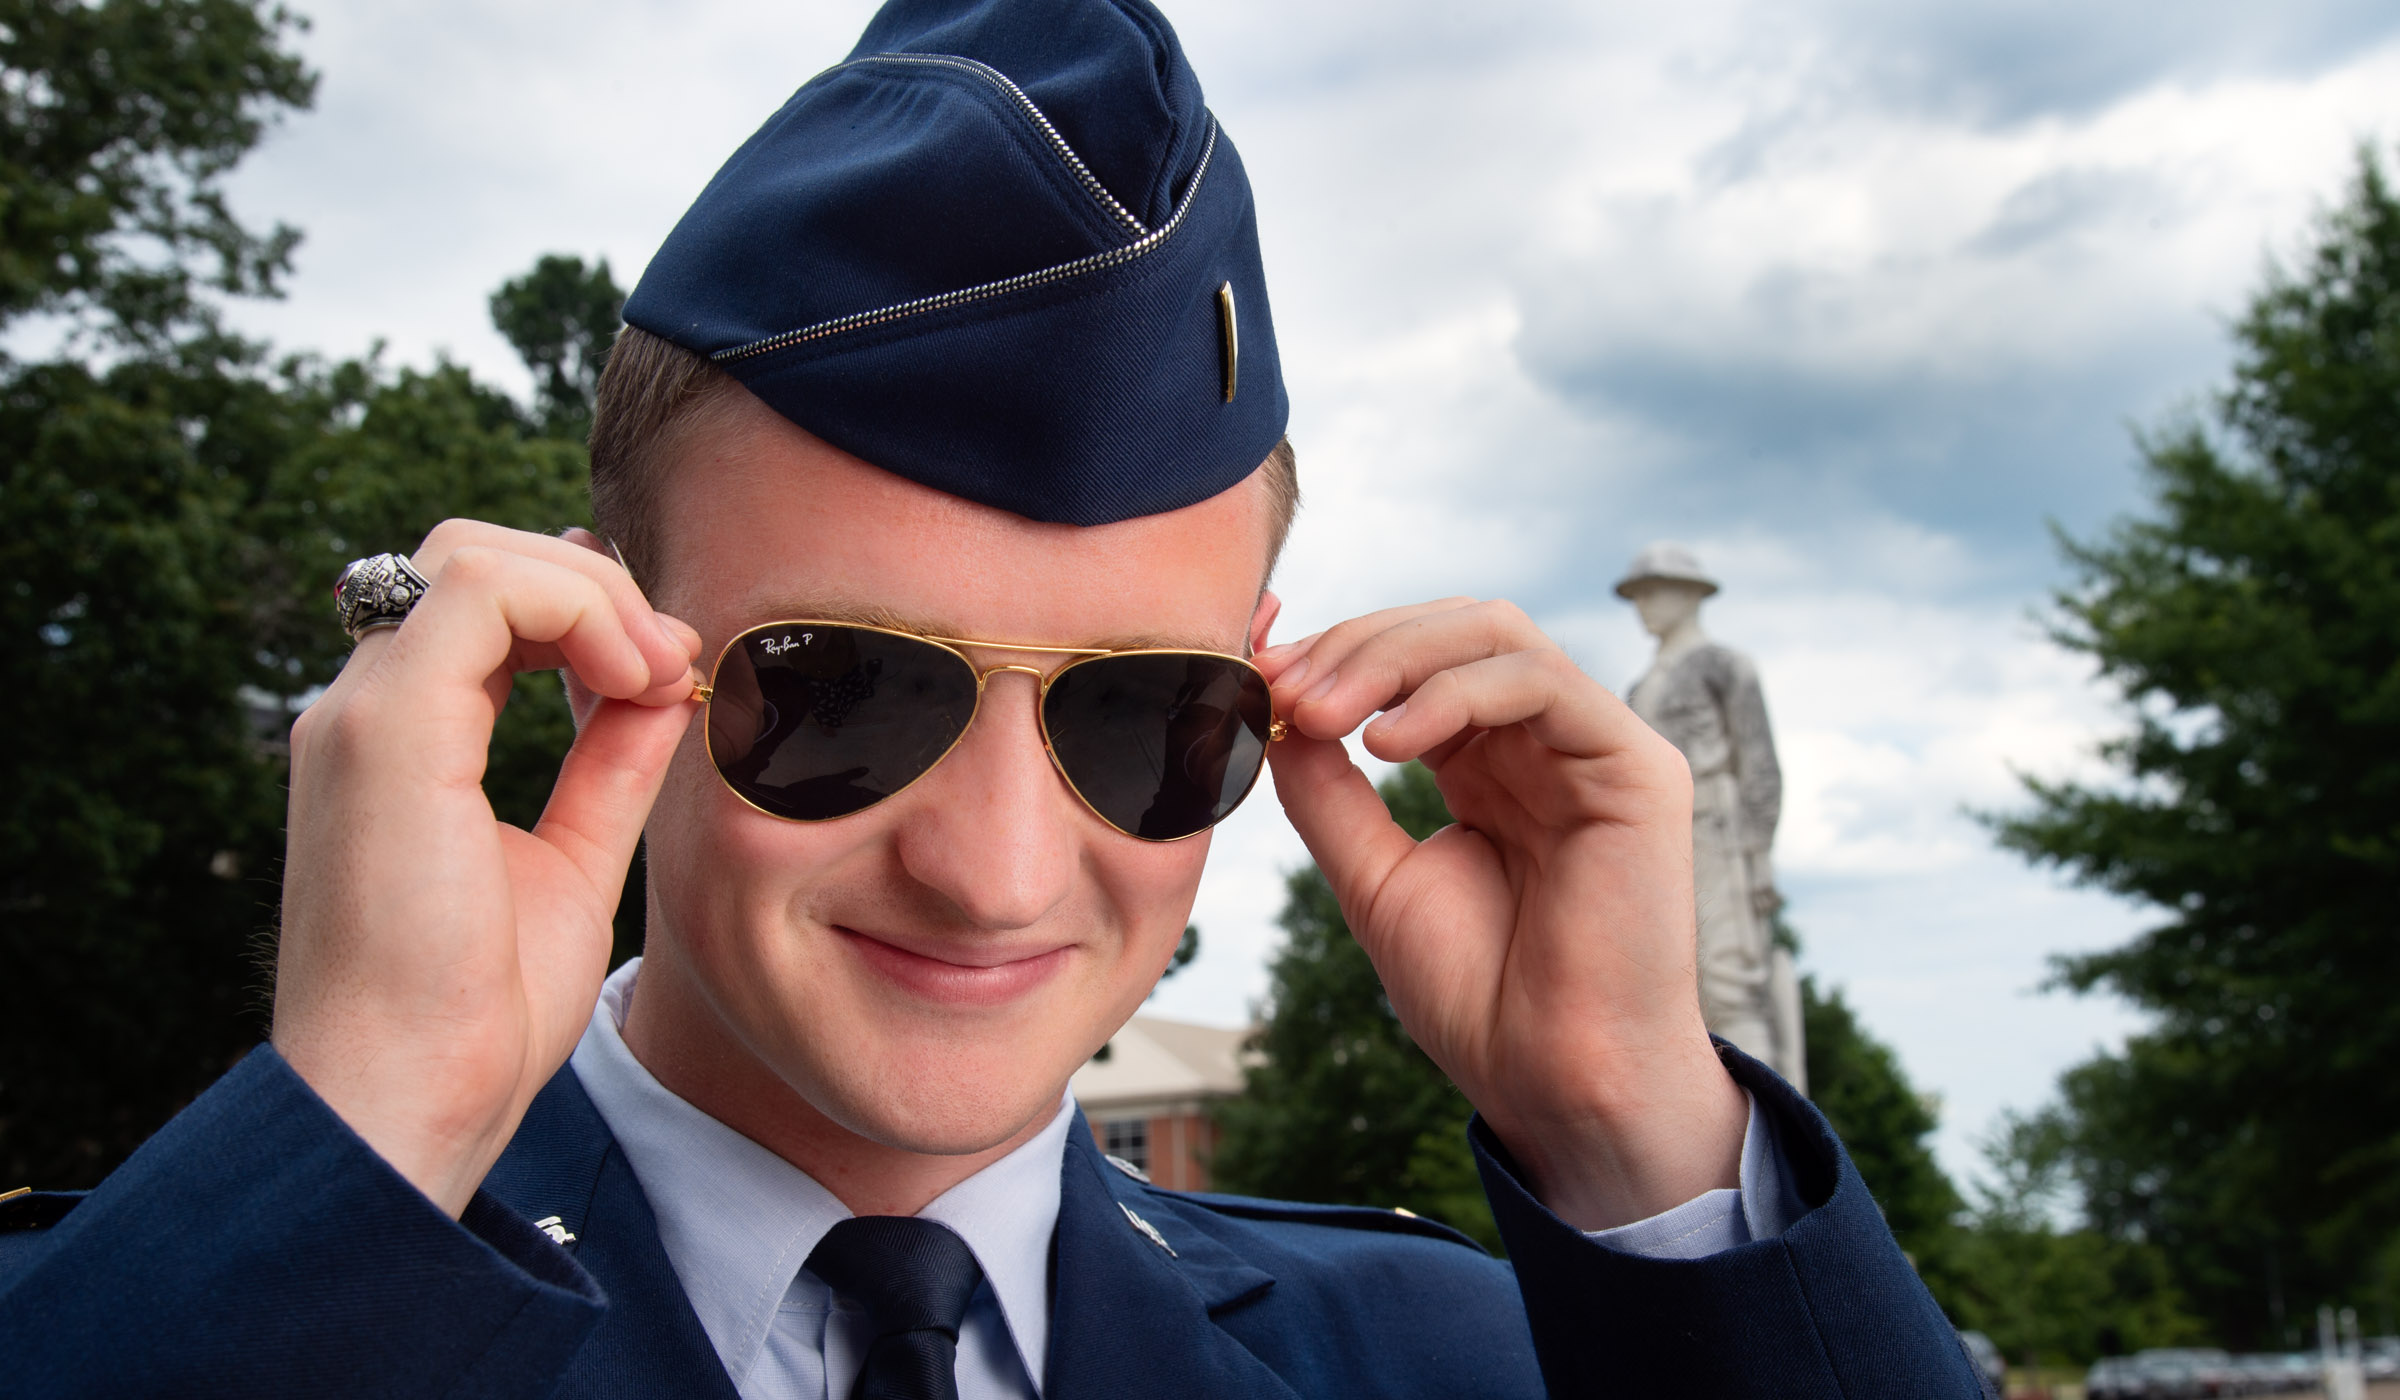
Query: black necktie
x=914, y=1279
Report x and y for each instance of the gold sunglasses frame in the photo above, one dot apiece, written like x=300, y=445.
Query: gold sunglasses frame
x=706, y=692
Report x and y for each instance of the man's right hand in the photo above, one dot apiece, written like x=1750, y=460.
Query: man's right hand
x=437, y=965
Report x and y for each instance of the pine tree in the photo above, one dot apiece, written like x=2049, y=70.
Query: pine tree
x=2251, y=622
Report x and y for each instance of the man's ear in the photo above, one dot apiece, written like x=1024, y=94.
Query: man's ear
x=1263, y=618
x=582, y=700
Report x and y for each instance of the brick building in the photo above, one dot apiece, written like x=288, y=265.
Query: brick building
x=1148, y=1092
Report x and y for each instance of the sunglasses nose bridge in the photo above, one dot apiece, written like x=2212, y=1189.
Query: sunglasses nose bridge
x=1041, y=685
x=984, y=675
x=1039, y=675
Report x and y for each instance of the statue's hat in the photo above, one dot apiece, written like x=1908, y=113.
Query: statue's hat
x=1668, y=561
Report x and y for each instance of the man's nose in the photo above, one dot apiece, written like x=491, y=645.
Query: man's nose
x=996, y=831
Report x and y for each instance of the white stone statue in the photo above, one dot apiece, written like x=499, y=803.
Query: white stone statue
x=1705, y=699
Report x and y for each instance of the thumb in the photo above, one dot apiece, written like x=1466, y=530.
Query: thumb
x=1340, y=818
x=606, y=786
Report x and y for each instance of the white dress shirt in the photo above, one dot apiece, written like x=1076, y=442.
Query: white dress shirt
x=738, y=1223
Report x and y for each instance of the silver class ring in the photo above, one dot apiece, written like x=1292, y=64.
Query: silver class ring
x=377, y=592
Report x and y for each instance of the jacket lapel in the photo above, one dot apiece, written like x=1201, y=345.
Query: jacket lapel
x=1126, y=1317
x=563, y=1163
x=1129, y=1318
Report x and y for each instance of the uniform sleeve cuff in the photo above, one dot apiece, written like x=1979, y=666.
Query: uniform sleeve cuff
x=1715, y=1221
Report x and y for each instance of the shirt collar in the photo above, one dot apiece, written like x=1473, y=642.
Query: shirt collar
x=738, y=1222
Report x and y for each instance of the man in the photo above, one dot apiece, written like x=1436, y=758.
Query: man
x=936, y=445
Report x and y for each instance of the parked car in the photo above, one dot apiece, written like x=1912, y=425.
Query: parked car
x=2183, y=1373
x=2303, y=1370
x=2275, y=1372
x=1987, y=1359
x=2110, y=1378
x=2199, y=1373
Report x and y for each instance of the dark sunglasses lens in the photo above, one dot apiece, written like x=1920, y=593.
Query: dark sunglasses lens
x=1161, y=744
x=811, y=721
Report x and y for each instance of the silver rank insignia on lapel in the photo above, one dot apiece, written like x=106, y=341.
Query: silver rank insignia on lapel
x=556, y=1229
x=1149, y=1231
x=1126, y=1167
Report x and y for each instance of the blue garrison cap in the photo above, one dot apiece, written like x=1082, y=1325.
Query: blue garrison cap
x=1004, y=250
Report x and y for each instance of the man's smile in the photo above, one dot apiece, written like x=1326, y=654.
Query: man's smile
x=958, y=973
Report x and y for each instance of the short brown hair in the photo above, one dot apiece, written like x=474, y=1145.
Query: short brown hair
x=654, y=394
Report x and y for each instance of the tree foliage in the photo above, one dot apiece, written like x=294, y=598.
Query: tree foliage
x=2251, y=620
x=2047, y=1290
x=562, y=317
x=1343, y=1106
x=174, y=529
x=118, y=122
x=177, y=512
x=131, y=788
x=1856, y=1081
x=2010, y=1262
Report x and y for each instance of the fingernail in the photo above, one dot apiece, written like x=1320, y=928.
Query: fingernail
x=1294, y=676
x=1322, y=688
x=1273, y=653
x=1390, y=719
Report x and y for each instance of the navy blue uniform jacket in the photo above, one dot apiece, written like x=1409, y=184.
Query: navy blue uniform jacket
x=257, y=1247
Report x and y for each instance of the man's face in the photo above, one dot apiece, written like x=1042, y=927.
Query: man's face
x=926, y=973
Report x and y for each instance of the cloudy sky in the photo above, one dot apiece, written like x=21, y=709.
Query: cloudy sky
x=1853, y=295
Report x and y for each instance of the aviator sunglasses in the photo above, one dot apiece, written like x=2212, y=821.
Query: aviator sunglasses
x=811, y=720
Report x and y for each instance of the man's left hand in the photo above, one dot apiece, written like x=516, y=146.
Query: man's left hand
x=1542, y=950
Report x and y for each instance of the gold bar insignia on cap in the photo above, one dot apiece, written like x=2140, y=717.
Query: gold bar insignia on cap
x=1232, y=337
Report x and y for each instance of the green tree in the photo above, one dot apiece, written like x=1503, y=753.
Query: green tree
x=135, y=802
x=132, y=801
x=2047, y=1292
x=174, y=528
x=562, y=317
x=118, y=121
x=2010, y=1263
x=175, y=521
x=1343, y=1106
x=1856, y=1081
x=2251, y=621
